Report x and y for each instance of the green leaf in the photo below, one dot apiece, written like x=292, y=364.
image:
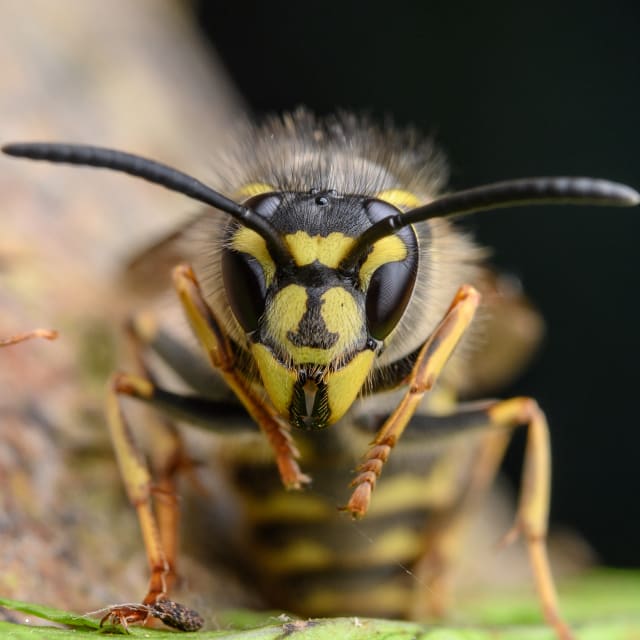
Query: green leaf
x=53, y=615
x=602, y=606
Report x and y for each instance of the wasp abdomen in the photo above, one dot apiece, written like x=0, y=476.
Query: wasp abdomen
x=308, y=557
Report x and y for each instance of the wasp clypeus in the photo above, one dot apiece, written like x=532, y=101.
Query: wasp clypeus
x=330, y=292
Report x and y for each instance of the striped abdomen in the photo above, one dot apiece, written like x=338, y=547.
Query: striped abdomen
x=307, y=557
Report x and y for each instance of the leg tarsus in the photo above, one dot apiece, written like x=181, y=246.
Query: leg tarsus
x=535, y=493
x=502, y=418
x=138, y=483
x=430, y=361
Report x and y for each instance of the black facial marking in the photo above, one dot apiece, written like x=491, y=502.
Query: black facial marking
x=312, y=330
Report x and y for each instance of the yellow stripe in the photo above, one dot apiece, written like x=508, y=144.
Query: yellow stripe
x=289, y=507
x=326, y=602
x=396, y=545
x=399, y=198
x=389, y=249
x=253, y=189
x=301, y=555
x=408, y=491
x=328, y=250
x=248, y=241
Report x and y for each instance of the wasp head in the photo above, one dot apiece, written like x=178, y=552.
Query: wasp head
x=315, y=325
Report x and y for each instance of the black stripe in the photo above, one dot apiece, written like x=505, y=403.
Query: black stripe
x=345, y=579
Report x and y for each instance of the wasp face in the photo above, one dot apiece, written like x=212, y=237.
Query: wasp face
x=315, y=328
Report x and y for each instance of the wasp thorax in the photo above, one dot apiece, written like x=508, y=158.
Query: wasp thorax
x=314, y=327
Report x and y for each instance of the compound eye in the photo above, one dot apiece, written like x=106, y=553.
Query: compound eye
x=388, y=295
x=242, y=274
x=246, y=289
x=391, y=284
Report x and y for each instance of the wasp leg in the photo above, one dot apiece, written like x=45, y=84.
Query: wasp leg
x=156, y=500
x=137, y=480
x=430, y=362
x=216, y=344
x=167, y=458
x=443, y=541
x=533, y=505
x=160, y=540
x=47, y=334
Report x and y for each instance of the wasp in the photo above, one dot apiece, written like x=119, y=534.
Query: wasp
x=334, y=298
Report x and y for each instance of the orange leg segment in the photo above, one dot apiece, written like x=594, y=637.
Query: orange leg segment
x=501, y=418
x=533, y=508
x=430, y=362
x=215, y=343
x=137, y=479
x=47, y=334
x=138, y=483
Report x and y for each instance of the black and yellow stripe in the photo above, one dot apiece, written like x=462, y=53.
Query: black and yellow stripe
x=306, y=556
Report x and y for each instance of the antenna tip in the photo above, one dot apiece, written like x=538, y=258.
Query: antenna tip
x=9, y=149
x=634, y=197
x=610, y=193
x=32, y=150
x=22, y=149
x=625, y=195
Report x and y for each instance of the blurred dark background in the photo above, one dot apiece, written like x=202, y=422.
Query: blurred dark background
x=509, y=90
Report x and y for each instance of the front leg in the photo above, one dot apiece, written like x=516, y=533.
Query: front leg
x=160, y=545
x=214, y=341
x=431, y=360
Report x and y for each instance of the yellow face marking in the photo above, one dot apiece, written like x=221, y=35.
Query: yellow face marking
x=328, y=250
x=277, y=379
x=399, y=198
x=284, y=315
x=253, y=189
x=389, y=249
x=339, y=312
x=341, y=315
x=344, y=385
x=248, y=241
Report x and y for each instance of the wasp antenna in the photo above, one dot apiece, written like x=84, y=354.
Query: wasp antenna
x=157, y=173
x=512, y=193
